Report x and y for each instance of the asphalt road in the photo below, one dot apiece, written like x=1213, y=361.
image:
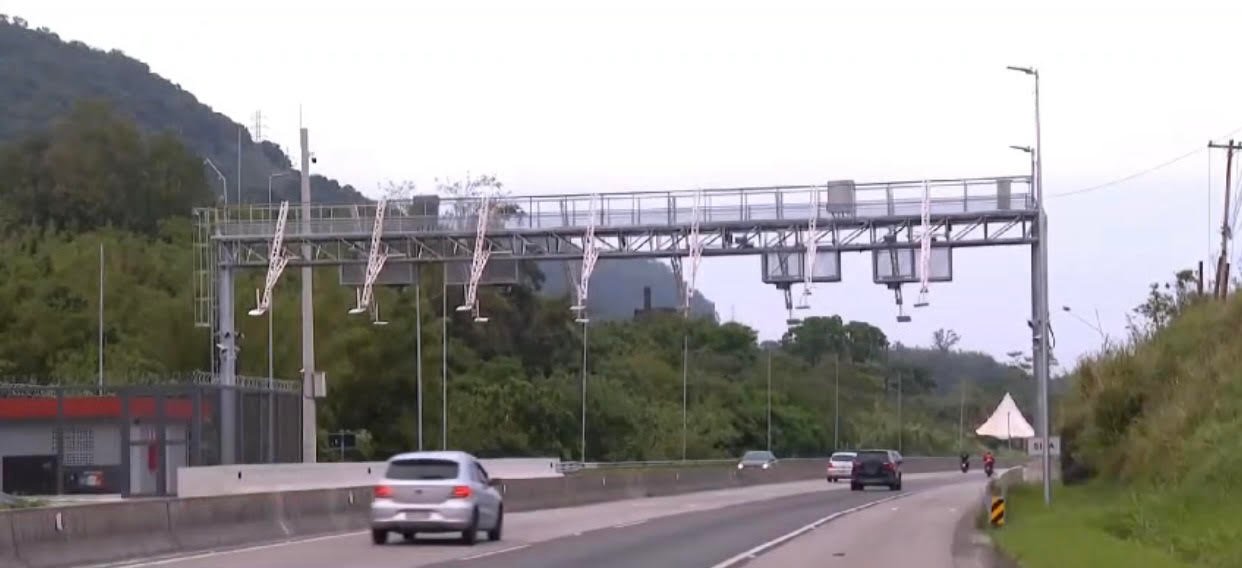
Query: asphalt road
x=701, y=539
x=697, y=530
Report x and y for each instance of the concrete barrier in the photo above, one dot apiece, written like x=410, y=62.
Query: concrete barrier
x=8, y=549
x=202, y=523
x=117, y=531
x=203, y=481
x=91, y=534
x=326, y=511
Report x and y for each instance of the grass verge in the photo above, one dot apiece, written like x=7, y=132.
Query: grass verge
x=1083, y=528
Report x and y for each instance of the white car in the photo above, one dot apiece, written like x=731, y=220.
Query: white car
x=840, y=466
x=436, y=492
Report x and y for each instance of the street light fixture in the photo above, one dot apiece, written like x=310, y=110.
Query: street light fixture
x=269, y=182
x=223, y=181
x=1095, y=326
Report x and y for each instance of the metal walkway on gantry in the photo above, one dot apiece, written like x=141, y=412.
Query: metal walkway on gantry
x=743, y=221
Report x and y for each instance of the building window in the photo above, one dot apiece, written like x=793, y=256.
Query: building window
x=79, y=445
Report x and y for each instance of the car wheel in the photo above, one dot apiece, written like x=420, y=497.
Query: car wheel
x=495, y=533
x=471, y=534
x=855, y=487
x=379, y=536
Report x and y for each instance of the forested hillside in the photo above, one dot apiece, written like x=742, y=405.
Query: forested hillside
x=43, y=77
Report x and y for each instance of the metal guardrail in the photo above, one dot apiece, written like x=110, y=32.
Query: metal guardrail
x=572, y=467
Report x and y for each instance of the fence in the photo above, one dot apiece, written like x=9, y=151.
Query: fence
x=130, y=439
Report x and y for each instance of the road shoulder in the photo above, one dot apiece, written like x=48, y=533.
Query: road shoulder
x=917, y=530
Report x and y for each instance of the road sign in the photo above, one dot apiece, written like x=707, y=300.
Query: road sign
x=998, y=512
x=1036, y=447
x=342, y=440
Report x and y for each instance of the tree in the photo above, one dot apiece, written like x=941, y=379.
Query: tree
x=1164, y=302
x=945, y=339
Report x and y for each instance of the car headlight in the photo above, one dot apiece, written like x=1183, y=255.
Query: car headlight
x=739, y=466
x=765, y=466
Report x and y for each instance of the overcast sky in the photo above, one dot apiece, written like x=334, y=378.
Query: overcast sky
x=592, y=96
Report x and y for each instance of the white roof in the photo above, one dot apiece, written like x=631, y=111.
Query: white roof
x=448, y=456
x=1006, y=422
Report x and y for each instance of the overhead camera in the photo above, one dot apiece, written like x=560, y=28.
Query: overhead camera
x=314, y=160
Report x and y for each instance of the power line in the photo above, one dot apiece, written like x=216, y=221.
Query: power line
x=1141, y=173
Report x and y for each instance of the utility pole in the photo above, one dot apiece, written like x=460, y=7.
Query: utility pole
x=310, y=442
x=1041, y=329
x=1222, y=263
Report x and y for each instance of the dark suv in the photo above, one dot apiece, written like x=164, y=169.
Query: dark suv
x=876, y=467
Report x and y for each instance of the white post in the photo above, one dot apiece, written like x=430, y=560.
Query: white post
x=101, y=318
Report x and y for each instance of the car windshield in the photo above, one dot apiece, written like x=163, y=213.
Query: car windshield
x=842, y=456
x=756, y=456
x=416, y=469
x=876, y=456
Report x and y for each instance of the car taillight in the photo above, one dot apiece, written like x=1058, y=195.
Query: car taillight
x=382, y=492
x=888, y=466
x=461, y=491
x=856, y=465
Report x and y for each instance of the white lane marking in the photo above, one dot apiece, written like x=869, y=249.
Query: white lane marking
x=495, y=552
x=212, y=553
x=756, y=551
x=630, y=524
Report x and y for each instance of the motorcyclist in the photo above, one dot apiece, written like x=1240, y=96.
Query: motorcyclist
x=965, y=461
x=989, y=460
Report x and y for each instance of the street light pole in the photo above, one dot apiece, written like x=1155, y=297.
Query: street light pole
x=769, y=400
x=585, y=326
x=1040, y=293
x=418, y=352
x=901, y=425
x=836, y=402
x=444, y=362
x=271, y=358
x=685, y=367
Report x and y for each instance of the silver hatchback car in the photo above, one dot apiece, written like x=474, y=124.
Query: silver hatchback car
x=436, y=492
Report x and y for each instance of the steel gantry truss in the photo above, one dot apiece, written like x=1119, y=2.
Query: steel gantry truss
x=278, y=258
x=590, y=254
x=377, y=255
x=812, y=251
x=695, y=244
x=925, y=240
x=478, y=261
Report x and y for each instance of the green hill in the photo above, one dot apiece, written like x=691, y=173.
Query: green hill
x=43, y=77
x=1152, y=446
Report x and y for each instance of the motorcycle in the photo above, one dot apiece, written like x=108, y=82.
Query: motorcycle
x=965, y=466
x=987, y=469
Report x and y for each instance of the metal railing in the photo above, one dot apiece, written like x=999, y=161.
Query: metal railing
x=572, y=466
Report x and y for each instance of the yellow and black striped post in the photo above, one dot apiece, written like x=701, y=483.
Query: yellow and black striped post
x=998, y=512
